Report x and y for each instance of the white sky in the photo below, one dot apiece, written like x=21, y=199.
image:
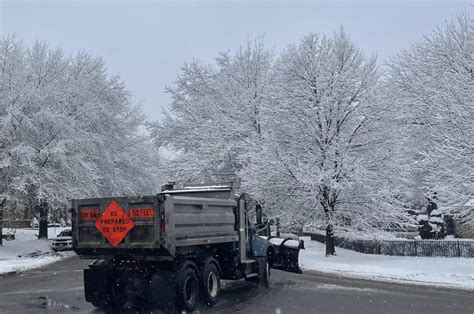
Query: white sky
x=146, y=42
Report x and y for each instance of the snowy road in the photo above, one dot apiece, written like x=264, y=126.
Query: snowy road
x=59, y=288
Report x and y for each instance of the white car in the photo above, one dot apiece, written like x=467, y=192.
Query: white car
x=63, y=241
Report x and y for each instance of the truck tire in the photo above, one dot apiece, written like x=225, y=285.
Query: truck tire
x=187, y=290
x=211, y=282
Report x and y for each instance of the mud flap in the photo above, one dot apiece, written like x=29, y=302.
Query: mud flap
x=287, y=254
x=96, y=284
x=261, y=266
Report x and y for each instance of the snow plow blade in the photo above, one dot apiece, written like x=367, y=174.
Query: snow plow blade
x=286, y=254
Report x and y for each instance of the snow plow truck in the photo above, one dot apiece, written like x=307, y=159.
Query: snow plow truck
x=174, y=248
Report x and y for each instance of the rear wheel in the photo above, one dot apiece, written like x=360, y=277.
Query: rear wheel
x=211, y=282
x=187, y=287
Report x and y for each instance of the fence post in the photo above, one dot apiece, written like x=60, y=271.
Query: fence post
x=416, y=251
x=459, y=249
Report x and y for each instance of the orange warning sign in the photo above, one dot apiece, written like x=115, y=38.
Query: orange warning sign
x=114, y=224
x=89, y=214
x=141, y=213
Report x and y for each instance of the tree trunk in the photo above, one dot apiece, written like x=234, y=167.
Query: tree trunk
x=330, y=247
x=43, y=223
x=2, y=204
x=1, y=225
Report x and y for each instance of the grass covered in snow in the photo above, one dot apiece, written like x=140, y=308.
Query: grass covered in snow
x=27, y=252
x=454, y=272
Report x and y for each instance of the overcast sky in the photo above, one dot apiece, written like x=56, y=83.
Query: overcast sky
x=146, y=42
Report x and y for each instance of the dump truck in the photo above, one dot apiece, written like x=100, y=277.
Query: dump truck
x=175, y=247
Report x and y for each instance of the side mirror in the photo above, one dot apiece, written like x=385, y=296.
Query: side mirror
x=259, y=212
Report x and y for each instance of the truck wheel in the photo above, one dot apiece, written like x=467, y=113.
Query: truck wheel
x=211, y=281
x=187, y=288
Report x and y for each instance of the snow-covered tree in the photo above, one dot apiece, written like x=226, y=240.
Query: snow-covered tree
x=215, y=113
x=325, y=154
x=431, y=89
x=66, y=129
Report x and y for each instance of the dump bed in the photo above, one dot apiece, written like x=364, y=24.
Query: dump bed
x=153, y=227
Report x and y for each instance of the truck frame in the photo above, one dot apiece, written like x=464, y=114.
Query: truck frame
x=174, y=247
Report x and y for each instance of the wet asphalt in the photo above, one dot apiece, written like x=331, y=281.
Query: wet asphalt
x=58, y=288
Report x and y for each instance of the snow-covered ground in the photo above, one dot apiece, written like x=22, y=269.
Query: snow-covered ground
x=27, y=252
x=454, y=272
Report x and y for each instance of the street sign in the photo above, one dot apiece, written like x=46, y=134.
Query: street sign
x=114, y=224
x=142, y=213
x=87, y=214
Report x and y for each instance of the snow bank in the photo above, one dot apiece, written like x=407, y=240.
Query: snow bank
x=454, y=272
x=27, y=252
x=27, y=263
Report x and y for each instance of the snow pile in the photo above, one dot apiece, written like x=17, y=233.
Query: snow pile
x=27, y=252
x=455, y=272
x=276, y=241
x=292, y=244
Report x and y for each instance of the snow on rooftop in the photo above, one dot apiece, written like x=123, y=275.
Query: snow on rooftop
x=206, y=187
x=194, y=190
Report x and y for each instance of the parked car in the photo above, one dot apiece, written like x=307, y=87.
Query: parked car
x=63, y=241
